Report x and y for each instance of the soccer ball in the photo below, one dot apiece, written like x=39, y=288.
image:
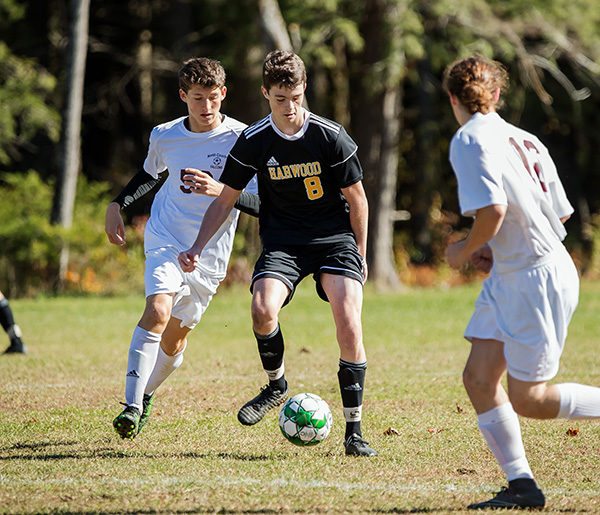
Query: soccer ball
x=305, y=419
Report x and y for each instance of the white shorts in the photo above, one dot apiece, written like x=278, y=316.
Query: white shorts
x=193, y=291
x=529, y=310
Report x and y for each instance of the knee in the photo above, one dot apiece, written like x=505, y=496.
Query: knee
x=264, y=317
x=475, y=381
x=157, y=313
x=349, y=335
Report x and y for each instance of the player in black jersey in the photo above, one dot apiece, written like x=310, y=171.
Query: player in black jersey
x=313, y=220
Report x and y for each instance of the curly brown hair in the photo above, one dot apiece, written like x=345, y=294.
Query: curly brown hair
x=283, y=68
x=201, y=71
x=474, y=80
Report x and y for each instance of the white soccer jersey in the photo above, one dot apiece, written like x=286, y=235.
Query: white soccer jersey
x=497, y=163
x=177, y=212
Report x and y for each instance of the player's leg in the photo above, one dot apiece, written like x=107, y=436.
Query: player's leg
x=345, y=296
x=531, y=396
x=499, y=425
x=169, y=359
x=12, y=329
x=268, y=297
x=170, y=354
x=143, y=352
x=564, y=400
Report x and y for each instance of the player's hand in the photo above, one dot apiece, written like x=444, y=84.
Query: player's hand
x=188, y=260
x=455, y=255
x=113, y=224
x=483, y=259
x=201, y=182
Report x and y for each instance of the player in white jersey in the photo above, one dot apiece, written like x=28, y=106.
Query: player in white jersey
x=193, y=150
x=508, y=183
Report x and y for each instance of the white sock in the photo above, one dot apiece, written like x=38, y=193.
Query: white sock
x=142, y=358
x=165, y=366
x=502, y=432
x=578, y=401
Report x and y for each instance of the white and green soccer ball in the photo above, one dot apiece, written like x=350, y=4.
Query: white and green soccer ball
x=305, y=419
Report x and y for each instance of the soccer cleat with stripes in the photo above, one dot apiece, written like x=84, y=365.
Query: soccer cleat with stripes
x=356, y=446
x=509, y=497
x=127, y=423
x=254, y=410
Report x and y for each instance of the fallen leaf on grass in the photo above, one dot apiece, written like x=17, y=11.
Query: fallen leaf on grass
x=435, y=431
x=572, y=432
x=459, y=409
x=391, y=431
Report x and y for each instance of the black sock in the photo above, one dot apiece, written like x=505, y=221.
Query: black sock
x=6, y=315
x=351, y=377
x=270, y=348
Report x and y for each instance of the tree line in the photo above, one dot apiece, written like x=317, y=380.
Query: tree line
x=374, y=66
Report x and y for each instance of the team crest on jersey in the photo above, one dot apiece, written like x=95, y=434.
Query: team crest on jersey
x=218, y=160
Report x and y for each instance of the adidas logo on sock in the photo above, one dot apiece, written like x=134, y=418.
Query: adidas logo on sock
x=353, y=388
x=132, y=373
x=272, y=162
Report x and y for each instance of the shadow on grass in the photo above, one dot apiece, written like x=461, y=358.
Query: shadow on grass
x=225, y=511
x=199, y=511
x=30, y=452
x=266, y=511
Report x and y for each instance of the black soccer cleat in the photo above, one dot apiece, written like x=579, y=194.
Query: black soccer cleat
x=127, y=422
x=16, y=347
x=356, y=446
x=529, y=497
x=254, y=410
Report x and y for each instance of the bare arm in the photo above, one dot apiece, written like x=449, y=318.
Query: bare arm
x=140, y=184
x=486, y=225
x=359, y=217
x=113, y=224
x=214, y=217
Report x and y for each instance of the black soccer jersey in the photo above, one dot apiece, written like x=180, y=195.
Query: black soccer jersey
x=299, y=179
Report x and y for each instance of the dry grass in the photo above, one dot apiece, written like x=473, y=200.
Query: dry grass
x=58, y=453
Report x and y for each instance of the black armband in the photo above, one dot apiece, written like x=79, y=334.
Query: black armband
x=140, y=184
x=248, y=203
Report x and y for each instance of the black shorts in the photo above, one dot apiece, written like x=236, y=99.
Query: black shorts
x=292, y=263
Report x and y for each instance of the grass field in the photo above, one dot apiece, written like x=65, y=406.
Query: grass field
x=59, y=454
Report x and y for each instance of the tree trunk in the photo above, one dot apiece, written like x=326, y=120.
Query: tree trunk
x=376, y=128
x=383, y=266
x=274, y=24
x=66, y=186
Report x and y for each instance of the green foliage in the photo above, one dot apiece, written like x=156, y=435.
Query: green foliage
x=10, y=11
x=30, y=245
x=24, y=91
